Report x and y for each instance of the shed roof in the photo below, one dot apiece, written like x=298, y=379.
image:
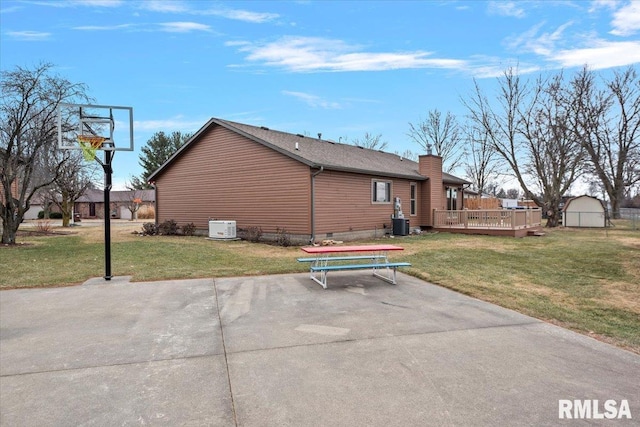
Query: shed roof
x=585, y=197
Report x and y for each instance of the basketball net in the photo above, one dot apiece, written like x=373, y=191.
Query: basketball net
x=90, y=145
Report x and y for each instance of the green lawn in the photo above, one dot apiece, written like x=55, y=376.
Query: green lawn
x=586, y=280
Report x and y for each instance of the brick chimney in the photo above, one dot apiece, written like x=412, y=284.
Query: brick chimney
x=432, y=195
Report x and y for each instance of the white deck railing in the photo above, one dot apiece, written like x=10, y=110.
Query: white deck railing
x=504, y=219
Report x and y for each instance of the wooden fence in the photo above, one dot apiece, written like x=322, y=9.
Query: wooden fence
x=487, y=203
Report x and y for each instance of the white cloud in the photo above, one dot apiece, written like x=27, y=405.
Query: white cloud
x=237, y=43
x=164, y=6
x=543, y=44
x=182, y=7
x=626, y=20
x=603, y=4
x=99, y=3
x=602, y=54
x=75, y=3
x=482, y=66
x=169, y=27
x=313, y=100
x=184, y=27
x=313, y=54
x=174, y=123
x=242, y=15
x=28, y=35
x=571, y=50
x=505, y=8
x=103, y=27
x=10, y=9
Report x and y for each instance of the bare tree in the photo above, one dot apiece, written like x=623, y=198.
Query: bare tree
x=607, y=124
x=370, y=141
x=482, y=163
x=492, y=188
x=442, y=135
x=513, y=193
x=74, y=177
x=27, y=131
x=556, y=158
x=408, y=154
x=134, y=201
x=528, y=130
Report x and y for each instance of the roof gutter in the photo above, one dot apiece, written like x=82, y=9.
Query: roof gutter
x=313, y=204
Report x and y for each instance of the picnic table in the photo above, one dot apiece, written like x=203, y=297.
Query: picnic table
x=331, y=258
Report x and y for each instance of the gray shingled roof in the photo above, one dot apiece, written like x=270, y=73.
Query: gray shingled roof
x=317, y=153
x=331, y=155
x=447, y=178
x=97, y=196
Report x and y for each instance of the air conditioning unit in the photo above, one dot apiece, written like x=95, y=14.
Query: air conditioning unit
x=222, y=229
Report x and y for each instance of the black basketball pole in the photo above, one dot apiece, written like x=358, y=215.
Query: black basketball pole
x=108, y=171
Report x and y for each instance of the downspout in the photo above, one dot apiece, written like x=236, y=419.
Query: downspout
x=155, y=203
x=313, y=204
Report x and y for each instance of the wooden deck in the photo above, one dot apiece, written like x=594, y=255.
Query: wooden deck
x=496, y=222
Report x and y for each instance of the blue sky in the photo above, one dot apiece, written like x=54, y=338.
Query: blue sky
x=333, y=67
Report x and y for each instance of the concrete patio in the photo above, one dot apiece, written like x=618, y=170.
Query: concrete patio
x=281, y=351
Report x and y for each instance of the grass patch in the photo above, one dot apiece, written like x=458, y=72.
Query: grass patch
x=585, y=280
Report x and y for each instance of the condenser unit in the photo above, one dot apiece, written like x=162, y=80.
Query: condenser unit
x=222, y=229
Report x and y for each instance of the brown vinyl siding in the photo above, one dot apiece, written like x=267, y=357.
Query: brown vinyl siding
x=226, y=176
x=263, y=178
x=431, y=195
x=14, y=190
x=344, y=202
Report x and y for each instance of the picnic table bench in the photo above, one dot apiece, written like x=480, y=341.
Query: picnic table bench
x=377, y=255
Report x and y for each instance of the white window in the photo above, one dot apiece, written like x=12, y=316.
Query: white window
x=414, y=199
x=381, y=191
x=452, y=198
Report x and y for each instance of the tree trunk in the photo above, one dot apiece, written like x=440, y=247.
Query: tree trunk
x=553, y=218
x=552, y=209
x=616, y=197
x=66, y=209
x=9, y=229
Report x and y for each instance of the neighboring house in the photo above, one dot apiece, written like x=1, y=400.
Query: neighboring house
x=584, y=211
x=10, y=162
x=311, y=188
x=91, y=204
x=38, y=204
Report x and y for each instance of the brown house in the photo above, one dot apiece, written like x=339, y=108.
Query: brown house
x=91, y=204
x=312, y=188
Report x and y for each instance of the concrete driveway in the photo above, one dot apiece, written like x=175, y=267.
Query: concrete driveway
x=281, y=351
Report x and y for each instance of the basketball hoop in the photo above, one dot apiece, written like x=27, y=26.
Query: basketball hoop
x=90, y=144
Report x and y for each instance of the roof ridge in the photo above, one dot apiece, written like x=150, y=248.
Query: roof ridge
x=310, y=138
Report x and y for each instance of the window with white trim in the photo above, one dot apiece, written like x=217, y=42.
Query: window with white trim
x=452, y=198
x=413, y=199
x=380, y=191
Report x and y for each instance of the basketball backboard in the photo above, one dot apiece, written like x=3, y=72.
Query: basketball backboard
x=111, y=125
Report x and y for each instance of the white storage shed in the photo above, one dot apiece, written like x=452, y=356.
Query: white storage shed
x=584, y=211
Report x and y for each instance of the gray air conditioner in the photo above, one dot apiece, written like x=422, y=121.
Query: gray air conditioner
x=222, y=229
